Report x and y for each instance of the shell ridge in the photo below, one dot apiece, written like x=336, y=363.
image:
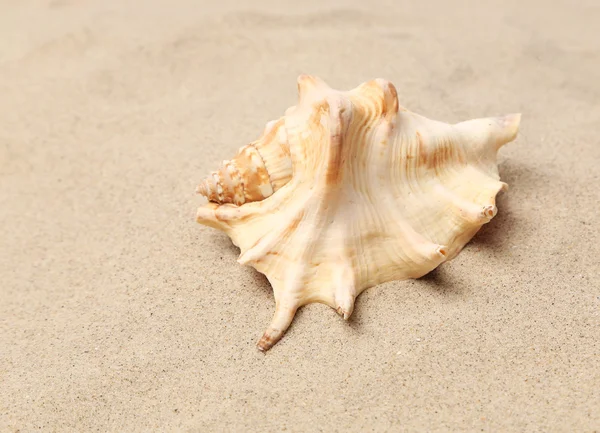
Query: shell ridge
x=264, y=163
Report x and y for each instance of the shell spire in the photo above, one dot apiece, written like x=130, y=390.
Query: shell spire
x=255, y=173
x=369, y=192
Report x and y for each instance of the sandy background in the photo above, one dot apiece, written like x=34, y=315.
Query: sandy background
x=119, y=313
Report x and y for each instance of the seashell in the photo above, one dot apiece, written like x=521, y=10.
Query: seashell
x=349, y=190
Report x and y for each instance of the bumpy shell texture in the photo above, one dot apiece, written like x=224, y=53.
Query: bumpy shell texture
x=349, y=190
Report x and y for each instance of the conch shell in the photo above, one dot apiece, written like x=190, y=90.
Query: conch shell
x=349, y=190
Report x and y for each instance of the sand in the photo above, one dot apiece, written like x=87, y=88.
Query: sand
x=119, y=313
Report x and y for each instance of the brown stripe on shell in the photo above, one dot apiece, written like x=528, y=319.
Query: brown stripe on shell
x=434, y=156
x=254, y=174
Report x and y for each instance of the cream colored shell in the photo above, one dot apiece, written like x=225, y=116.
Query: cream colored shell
x=349, y=190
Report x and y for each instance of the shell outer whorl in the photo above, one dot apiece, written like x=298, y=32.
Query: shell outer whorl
x=349, y=190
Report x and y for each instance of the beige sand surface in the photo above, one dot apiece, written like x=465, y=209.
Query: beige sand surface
x=119, y=313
